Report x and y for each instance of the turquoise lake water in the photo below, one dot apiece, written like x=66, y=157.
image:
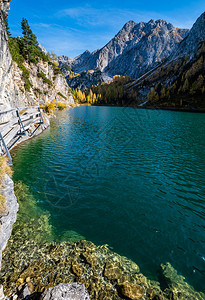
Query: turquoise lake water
x=130, y=178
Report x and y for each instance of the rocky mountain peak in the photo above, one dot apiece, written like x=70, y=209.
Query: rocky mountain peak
x=129, y=26
x=190, y=44
x=136, y=48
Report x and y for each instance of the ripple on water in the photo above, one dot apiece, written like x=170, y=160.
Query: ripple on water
x=133, y=179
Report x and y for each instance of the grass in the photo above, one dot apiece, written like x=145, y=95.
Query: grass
x=4, y=169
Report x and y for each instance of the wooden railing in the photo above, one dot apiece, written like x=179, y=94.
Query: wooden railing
x=19, y=124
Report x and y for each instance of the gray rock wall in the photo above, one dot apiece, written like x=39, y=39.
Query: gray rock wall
x=6, y=223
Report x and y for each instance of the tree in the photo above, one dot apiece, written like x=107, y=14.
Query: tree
x=7, y=27
x=54, y=58
x=151, y=95
x=29, y=37
x=163, y=93
x=185, y=86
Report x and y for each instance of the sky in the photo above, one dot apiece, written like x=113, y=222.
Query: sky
x=72, y=27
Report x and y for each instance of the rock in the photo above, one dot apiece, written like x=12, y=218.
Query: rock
x=112, y=271
x=85, y=80
x=1, y=292
x=90, y=259
x=74, y=291
x=8, y=221
x=131, y=291
x=25, y=292
x=189, y=46
x=77, y=270
x=177, y=286
x=42, y=48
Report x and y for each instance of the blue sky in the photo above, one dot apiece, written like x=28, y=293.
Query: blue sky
x=71, y=27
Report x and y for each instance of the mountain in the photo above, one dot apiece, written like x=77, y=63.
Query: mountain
x=189, y=46
x=176, y=83
x=182, y=77
x=136, y=48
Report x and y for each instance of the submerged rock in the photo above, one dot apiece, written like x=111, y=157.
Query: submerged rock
x=131, y=291
x=74, y=291
x=32, y=261
x=177, y=284
x=112, y=271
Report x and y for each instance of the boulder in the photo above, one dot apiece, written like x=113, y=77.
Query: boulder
x=73, y=291
x=131, y=291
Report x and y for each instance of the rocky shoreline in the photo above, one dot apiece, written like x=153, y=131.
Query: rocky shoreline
x=105, y=274
x=9, y=218
x=6, y=223
x=33, y=264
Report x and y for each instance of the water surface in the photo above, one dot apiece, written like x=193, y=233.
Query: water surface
x=133, y=179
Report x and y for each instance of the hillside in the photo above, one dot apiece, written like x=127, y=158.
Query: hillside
x=181, y=81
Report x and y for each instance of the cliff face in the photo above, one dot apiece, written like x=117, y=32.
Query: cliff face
x=12, y=85
x=135, y=49
x=41, y=90
x=7, y=88
x=7, y=222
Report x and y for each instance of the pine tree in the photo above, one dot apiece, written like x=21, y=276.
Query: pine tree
x=185, y=86
x=163, y=93
x=7, y=27
x=29, y=36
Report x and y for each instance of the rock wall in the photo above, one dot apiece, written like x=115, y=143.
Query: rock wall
x=6, y=223
x=7, y=88
x=12, y=90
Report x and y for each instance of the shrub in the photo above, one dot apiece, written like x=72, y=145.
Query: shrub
x=45, y=79
x=61, y=106
x=60, y=94
x=57, y=71
x=38, y=91
x=49, y=107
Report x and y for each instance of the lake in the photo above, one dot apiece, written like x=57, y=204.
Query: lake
x=130, y=178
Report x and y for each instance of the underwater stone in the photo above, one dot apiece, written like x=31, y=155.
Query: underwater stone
x=77, y=270
x=131, y=291
x=74, y=291
x=90, y=259
x=177, y=286
x=112, y=271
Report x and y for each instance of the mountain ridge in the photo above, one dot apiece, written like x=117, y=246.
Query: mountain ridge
x=131, y=37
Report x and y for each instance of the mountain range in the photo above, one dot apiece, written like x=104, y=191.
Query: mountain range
x=166, y=66
x=135, y=49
